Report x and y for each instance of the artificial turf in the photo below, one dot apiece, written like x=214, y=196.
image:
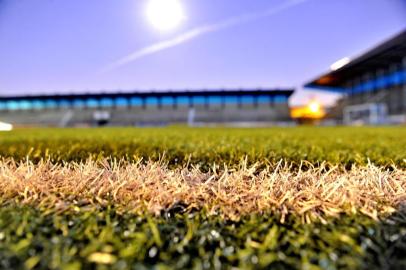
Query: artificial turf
x=85, y=233
x=382, y=146
x=102, y=238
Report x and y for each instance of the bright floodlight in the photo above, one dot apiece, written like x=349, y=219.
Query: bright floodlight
x=340, y=63
x=5, y=126
x=165, y=14
x=314, y=107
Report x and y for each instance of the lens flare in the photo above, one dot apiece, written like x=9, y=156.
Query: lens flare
x=314, y=107
x=165, y=14
x=313, y=110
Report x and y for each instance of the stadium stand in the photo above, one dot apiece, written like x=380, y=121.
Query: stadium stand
x=148, y=108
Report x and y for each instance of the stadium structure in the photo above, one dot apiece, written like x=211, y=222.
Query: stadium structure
x=266, y=106
x=373, y=84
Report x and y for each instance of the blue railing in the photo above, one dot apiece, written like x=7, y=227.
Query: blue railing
x=389, y=80
x=137, y=101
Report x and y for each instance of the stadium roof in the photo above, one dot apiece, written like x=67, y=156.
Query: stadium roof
x=390, y=51
x=144, y=94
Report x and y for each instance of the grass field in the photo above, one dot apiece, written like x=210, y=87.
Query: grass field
x=206, y=146
x=178, y=198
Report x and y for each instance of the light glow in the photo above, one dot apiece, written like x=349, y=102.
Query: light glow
x=5, y=126
x=165, y=14
x=314, y=107
x=198, y=32
x=313, y=110
x=340, y=63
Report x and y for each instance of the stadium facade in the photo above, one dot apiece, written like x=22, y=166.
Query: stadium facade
x=373, y=84
x=269, y=106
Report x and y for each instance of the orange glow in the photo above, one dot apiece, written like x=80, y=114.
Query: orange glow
x=325, y=80
x=313, y=110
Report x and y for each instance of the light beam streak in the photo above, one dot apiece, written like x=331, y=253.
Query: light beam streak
x=197, y=32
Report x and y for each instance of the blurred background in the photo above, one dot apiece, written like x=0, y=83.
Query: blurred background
x=202, y=62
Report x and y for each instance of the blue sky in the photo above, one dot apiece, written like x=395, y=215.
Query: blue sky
x=63, y=46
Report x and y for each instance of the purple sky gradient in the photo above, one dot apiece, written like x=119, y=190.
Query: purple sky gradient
x=63, y=46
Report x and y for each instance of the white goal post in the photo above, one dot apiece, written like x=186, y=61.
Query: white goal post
x=365, y=114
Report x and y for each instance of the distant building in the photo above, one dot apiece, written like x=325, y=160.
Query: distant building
x=266, y=106
x=373, y=84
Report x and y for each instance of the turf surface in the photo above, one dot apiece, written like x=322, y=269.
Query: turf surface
x=383, y=146
x=98, y=238
x=85, y=235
